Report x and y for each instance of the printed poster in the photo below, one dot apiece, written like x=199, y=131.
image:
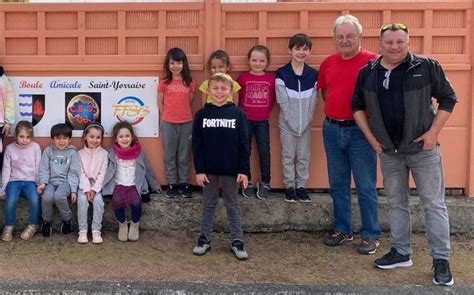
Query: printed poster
x=45, y=101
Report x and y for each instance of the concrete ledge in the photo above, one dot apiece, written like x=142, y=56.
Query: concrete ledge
x=270, y=215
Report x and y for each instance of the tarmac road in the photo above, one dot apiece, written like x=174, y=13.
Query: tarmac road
x=197, y=288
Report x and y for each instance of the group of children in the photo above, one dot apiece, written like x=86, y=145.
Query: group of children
x=219, y=135
x=222, y=133
x=62, y=175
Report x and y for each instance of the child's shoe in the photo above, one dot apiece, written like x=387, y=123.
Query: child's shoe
x=123, y=231
x=46, y=229
x=134, y=231
x=302, y=195
x=186, y=190
x=290, y=195
x=202, y=246
x=7, y=233
x=29, y=232
x=248, y=192
x=82, y=239
x=263, y=190
x=66, y=227
x=173, y=191
x=96, y=237
x=239, y=250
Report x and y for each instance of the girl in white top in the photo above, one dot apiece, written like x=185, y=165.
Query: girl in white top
x=94, y=160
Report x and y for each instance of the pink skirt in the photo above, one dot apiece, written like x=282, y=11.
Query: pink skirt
x=124, y=196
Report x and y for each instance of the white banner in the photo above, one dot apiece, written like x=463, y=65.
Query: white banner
x=46, y=101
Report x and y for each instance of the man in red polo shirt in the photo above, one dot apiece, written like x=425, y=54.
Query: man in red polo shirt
x=347, y=150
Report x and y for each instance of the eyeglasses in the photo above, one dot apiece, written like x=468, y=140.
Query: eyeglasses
x=386, y=81
x=393, y=27
x=350, y=37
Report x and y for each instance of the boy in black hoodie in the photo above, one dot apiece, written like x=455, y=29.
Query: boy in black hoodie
x=221, y=155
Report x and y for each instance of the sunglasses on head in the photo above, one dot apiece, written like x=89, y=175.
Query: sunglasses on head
x=393, y=27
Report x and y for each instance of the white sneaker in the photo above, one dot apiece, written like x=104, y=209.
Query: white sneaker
x=96, y=237
x=82, y=239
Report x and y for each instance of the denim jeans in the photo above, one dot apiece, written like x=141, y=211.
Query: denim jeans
x=27, y=190
x=261, y=131
x=427, y=170
x=348, y=150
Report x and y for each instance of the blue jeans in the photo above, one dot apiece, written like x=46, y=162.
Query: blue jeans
x=26, y=189
x=348, y=150
x=261, y=130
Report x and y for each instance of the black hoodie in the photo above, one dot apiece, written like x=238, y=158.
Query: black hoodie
x=220, y=140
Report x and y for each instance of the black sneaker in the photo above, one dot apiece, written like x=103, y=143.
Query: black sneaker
x=392, y=260
x=186, y=190
x=368, y=246
x=146, y=198
x=442, y=274
x=202, y=246
x=66, y=227
x=337, y=238
x=46, y=229
x=239, y=250
x=302, y=195
x=263, y=190
x=290, y=195
x=248, y=192
x=172, y=191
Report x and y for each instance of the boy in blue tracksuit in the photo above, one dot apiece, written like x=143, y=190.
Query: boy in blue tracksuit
x=296, y=94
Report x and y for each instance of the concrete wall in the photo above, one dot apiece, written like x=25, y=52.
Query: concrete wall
x=271, y=215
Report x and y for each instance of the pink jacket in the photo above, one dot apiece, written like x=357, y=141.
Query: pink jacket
x=20, y=163
x=93, y=167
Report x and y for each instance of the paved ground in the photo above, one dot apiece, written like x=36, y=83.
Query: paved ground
x=284, y=263
x=203, y=288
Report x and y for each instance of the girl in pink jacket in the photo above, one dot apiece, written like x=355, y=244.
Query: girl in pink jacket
x=94, y=162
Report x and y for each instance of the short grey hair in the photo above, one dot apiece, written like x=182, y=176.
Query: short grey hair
x=347, y=19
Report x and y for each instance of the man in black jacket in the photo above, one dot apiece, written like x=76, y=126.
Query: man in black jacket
x=392, y=104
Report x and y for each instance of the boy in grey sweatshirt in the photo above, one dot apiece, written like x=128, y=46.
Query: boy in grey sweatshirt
x=58, y=177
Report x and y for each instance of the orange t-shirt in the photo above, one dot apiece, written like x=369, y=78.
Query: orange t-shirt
x=176, y=105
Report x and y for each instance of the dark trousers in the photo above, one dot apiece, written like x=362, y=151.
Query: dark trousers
x=210, y=198
x=136, y=212
x=261, y=130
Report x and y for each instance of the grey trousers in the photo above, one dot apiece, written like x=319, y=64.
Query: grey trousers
x=427, y=171
x=177, y=148
x=56, y=195
x=97, y=213
x=295, y=153
x=231, y=202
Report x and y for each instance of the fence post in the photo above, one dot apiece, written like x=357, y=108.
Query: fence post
x=213, y=28
x=470, y=185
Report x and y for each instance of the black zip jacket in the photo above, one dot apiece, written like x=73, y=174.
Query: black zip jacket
x=423, y=80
